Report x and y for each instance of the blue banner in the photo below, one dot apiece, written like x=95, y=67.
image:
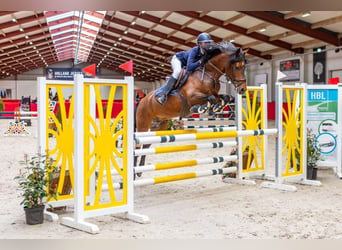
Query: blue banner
x=322, y=95
x=66, y=74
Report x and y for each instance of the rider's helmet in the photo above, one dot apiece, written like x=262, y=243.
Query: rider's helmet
x=204, y=38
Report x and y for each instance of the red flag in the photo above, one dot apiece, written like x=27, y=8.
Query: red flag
x=334, y=80
x=90, y=70
x=128, y=66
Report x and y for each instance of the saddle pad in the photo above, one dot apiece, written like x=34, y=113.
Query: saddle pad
x=162, y=90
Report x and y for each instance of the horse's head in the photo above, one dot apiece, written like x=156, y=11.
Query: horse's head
x=238, y=70
x=230, y=61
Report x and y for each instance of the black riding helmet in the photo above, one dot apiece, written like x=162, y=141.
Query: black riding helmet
x=204, y=37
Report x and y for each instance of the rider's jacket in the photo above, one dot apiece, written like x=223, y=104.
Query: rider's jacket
x=190, y=58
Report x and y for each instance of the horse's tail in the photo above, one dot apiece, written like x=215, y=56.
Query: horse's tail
x=135, y=115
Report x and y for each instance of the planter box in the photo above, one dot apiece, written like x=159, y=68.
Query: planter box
x=311, y=173
x=34, y=215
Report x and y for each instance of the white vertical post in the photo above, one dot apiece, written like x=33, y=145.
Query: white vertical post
x=304, y=129
x=238, y=117
x=279, y=125
x=265, y=137
x=129, y=138
x=79, y=214
x=130, y=214
x=339, y=133
x=41, y=115
x=79, y=147
x=41, y=111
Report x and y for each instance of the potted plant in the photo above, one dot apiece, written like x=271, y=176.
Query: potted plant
x=313, y=155
x=33, y=181
x=175, y=124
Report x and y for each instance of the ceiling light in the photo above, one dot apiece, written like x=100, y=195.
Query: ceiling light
x=232, y=40
x=115, y=44
x=133, y=23
x=142, y=12
x=14, y=20
x=111, y=49
x=26, y=37
x=107, y=53
x=306, y=14
x=125, y=32
x=120, y=38
x=34, y=47
x=162, y=65
x=21, y=29
x=262, y=30
x=31, y=43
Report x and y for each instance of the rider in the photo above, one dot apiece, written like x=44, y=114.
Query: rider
x=192, y=59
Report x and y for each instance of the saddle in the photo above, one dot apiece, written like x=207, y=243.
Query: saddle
x=183, y=76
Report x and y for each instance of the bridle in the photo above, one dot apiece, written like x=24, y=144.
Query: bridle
x=237, y=82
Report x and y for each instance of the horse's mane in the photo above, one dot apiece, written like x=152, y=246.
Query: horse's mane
x=221, y=47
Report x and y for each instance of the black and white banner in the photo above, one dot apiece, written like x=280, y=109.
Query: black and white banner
x=319, y=66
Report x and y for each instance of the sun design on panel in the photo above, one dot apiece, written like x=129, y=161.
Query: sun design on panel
x=253, y=120
x=104, y=144
x=64, y=145
x=293, y=119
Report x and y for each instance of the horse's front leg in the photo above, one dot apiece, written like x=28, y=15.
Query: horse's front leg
x=211, y=100
x=222, y=103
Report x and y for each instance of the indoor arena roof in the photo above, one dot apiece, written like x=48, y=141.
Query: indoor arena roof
x=33, y=39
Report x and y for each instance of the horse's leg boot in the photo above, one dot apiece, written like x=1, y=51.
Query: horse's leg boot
x=169, y=86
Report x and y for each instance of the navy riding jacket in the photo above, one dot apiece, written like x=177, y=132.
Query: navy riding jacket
x=190, y=58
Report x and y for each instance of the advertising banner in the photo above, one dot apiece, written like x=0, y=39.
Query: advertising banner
x=66, y=74
x=322, y=118
x=291, y=70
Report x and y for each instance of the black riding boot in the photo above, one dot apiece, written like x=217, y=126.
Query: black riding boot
x=169, y=86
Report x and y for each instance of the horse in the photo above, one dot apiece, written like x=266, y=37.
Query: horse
x=199, y=92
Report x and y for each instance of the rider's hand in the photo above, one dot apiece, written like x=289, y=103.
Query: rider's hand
x=203, y=60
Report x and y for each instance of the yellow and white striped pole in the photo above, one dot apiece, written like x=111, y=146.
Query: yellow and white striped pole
x=204, y=136
x=177, y=177
x=182, y=148
x=179, y=132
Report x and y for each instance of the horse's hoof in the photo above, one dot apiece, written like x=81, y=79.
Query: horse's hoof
x=217, y=108
x=195, y=108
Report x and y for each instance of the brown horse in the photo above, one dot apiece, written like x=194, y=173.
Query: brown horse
x=201, y=88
